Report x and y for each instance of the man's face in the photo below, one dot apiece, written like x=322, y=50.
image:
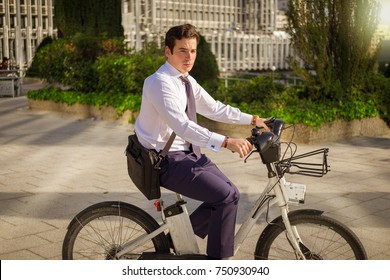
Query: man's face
x=184, y=54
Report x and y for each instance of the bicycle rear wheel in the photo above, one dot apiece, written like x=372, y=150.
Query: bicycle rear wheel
x=101, y=230
x=323, y=238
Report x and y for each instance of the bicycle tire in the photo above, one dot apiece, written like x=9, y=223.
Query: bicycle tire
x=324, y=237
x=99, y=231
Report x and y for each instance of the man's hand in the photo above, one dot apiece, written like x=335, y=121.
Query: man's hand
x=239, y=145
x=260, y=122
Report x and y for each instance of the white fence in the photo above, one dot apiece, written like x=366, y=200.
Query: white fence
x=237, y=52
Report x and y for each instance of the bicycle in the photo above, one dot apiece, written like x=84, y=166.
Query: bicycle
x=119, y=230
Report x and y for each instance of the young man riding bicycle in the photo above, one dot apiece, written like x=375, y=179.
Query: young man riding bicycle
x=165, y=109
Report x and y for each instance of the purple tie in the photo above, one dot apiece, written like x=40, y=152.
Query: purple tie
x=191, y=109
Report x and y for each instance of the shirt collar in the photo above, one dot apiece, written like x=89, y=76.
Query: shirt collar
x=173, y=71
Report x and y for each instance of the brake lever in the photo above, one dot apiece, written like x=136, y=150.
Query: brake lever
x=253, y=151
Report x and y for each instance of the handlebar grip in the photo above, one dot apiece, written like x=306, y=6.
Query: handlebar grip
x=265, y=140
x=278, y=127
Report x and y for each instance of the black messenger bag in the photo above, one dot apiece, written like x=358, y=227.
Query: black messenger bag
x=143, y=166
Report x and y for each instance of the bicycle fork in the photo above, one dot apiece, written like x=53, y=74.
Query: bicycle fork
x=291, y=231
x=273, y=190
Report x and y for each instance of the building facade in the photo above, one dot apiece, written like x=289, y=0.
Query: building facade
x=23, y=25
x=243, y=34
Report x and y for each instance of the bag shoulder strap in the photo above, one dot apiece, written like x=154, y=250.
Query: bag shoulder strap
x=168, y=145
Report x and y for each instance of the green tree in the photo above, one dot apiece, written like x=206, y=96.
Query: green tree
x=205, y=69
x=332, y=39
x=50, y=61
x=126, y=74
x=93, y=17
x=33, y=70
x=71, y=61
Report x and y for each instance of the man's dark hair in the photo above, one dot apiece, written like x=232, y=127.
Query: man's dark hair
x=179, y=32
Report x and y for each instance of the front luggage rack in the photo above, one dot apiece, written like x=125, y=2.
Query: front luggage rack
x=292, y=165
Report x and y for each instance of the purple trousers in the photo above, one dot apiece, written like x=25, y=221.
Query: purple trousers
x=200, y=179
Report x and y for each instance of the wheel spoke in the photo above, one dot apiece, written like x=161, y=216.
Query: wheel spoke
x=101, y=233
x=321, y=237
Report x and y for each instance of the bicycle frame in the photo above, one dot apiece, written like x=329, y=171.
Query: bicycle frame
x=107, y=222
x=273, y=190
x=183, y=237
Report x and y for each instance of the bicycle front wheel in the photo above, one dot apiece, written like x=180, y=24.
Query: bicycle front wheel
x=323, y=238
x=101, y=231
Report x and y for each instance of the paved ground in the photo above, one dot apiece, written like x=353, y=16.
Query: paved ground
x=52, y=166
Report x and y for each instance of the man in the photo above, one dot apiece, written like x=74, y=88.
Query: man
x=164, y=110
x=4, y=63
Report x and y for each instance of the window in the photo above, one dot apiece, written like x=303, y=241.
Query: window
x=23, y=21
x=34, y=22
x=12, y=21
x=44, y=23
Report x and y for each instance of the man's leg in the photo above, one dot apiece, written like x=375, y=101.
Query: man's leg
x=200, y=179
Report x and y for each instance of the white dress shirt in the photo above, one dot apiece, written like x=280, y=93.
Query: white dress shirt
x=163, y=107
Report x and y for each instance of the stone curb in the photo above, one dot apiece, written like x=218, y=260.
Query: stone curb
x=335, y=131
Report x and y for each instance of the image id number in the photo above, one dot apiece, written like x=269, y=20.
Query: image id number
x=240, y=270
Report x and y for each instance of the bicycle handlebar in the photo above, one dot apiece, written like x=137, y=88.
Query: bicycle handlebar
x=268, y=145
x=264, y=140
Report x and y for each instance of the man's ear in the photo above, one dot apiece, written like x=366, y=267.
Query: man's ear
x=167, y=51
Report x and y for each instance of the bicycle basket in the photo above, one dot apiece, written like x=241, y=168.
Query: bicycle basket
x=293, y=165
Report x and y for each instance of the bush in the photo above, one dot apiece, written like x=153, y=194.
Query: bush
x=33, y=71
x=125, y=74
x=377, y=90
x=50, y=61
x=257, y=89
x=143, y=64
x=91, y=64
x=70, y=61
x=113, y=75
x=260, y=96
x=71, y=97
